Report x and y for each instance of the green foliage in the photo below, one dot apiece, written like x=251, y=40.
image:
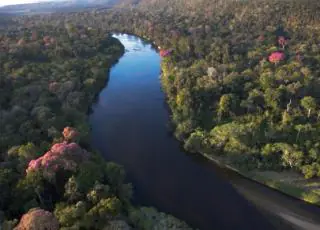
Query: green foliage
x=146, y=218
x=109, y=206
x=9, y=224
x=88, y=175
x=225, y=96
x=226, y=104
x=98, y=192
x=263, y=116
x=7, y=180
x=104, y=210
x=29, y=193
x=72, y=215
x=195, y=142
x=312, y=170
x=27, y=151
x=115, y=174
x=72, y=191
x=292, y=190
x=309, y=103
x=50, y=78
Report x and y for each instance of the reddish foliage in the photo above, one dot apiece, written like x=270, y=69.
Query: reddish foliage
x=282, y=41
x=21, y=42
x=47, y=40
x=34, y=36
x=38, y=219
x=70, y=134
x=165, y=53
x=276, y=57
x=62, y=156
x=53, y=87
x=261, y=38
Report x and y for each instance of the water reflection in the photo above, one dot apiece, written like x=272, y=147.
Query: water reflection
x=129, y=126
x=133, y=43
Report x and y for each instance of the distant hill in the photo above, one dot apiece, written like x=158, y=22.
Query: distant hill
x=64, y=5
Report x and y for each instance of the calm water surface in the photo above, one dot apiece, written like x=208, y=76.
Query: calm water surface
x=129, y=126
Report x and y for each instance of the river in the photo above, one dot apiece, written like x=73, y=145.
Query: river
x=129, y=126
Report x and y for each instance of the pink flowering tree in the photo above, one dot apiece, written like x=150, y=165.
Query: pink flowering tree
x=46, y=40
x=165, y=53
x=282, y=41
x=38, y=219
x=276, y=57
x=70, y=134
x=61, y=156
x=53, y=87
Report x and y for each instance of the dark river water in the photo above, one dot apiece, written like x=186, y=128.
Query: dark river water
x=129, y=126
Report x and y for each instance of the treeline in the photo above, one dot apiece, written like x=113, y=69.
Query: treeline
x=242, y=79
x=49, y=80
x=52, y=68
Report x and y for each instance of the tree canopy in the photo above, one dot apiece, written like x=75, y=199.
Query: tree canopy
x=242, y=79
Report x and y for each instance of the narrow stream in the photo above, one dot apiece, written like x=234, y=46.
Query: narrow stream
x=129, y=126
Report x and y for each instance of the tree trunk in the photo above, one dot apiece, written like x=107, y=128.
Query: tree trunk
x=39, y=197
x=288, y=106
x=298, y=134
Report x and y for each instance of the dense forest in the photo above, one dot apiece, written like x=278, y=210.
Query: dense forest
x=51, y=71
x=242, y=79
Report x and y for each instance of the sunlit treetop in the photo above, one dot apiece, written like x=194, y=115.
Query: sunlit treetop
x=276, y=57
x=38, y=219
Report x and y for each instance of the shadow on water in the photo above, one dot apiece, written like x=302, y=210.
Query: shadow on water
x=129, y=126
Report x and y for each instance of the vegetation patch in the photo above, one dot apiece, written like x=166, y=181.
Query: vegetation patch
x=242, y=80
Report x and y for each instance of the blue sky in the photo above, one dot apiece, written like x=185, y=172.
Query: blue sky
x=13, y=2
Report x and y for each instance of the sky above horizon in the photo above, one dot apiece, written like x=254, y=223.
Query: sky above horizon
x=14, y=2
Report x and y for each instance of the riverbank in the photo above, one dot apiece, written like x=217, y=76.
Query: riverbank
x=178, y=189
x=289, y=214
x=271, y=182
x=301, y=192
